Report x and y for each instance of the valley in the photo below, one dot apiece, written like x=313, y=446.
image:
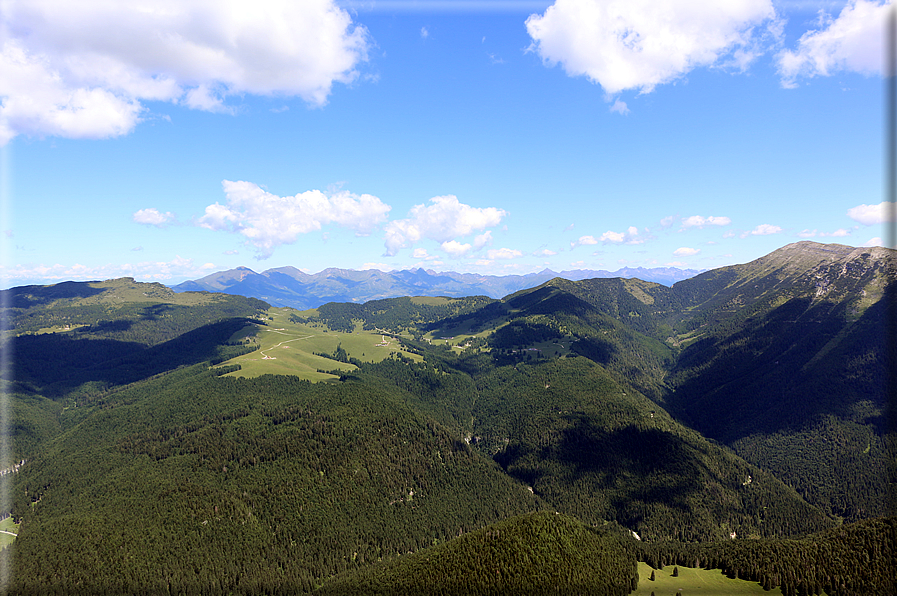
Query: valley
x=735, y=421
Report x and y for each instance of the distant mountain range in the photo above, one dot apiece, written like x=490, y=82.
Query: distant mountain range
x=288, y=286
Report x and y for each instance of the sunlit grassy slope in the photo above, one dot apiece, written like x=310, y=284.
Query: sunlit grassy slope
x=8, y=530
x=694, y=581
x=290, y=348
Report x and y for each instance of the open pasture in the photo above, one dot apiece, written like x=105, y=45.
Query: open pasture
x=710, y=582
x=288, y=348
x=8, y=531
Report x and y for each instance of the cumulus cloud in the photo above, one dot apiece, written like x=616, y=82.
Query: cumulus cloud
x=153, y=217
x=873, y=214
x=765, y=230
x=85, y=69
x=504, y=253
x=874, y=242
x=268, y=221
x=684, y=251
x=630, y=236
x=807, y=234
x=484, y=239
x=697, y=221
x=851, y=42
x=422, y=254
x=445, y=220
x=639, y=44
x=455, y=248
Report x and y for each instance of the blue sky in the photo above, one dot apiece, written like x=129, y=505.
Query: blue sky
x=498, y=137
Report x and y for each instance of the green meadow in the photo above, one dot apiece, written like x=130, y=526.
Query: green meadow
x=711, y=582
x=290, y=348
x=7, y=530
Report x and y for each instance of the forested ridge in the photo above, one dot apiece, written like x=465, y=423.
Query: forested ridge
x=736, y=423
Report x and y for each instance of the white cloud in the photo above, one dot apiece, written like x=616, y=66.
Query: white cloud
x=852, y=42
x=484, y=239
x=666, y=221
x=839, y=233
x=153, y=217
x=686, y=252
x=268, y=221
x=697, y=221
x=639, y=44
x=455, y=248
x=177, y=268
x=873, y=214
x=615, y=237
x=444, y=220
x=874, y=242
x=765, y=230
x=85, y=69
x=504, y=253
x=378, y=266
x=630, y=236
x=620, y=107
x=545, y=252
x=807, y=234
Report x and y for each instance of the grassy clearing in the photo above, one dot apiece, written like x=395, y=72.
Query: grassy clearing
x=287, y=348
x=58, y=329
x=124, y=290
x=431, y=300
x=693, y=581
x=7, y=525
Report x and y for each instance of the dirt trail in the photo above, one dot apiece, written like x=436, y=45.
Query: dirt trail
x=266, y=357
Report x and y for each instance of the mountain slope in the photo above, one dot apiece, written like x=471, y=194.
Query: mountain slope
x=766, y=357
x=789, y=350
x=599, y=450
x=541, y=553
x=200, y=483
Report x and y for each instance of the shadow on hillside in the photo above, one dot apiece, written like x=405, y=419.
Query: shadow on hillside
x=153, y=312
x=116, y=326
x=28, y=296
x=784, y=369
x=56, y=364
x=631, y=452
